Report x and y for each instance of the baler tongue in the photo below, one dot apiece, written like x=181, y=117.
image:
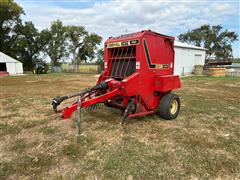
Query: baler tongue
x=101, y=87
x=101, y=92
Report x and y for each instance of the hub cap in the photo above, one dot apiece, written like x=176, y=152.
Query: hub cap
x=174, y=106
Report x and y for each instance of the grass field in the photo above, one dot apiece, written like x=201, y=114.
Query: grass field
x=203, y=142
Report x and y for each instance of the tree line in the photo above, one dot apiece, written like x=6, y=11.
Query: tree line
x=215, y=39
x=23, y=41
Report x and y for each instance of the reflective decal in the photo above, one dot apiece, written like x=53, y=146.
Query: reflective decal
x=122, y=43
x=137, y=65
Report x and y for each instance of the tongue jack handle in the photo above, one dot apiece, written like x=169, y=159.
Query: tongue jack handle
x=79, y=117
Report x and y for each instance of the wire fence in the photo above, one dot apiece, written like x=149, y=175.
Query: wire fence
x=233, y=72
x=84, y=68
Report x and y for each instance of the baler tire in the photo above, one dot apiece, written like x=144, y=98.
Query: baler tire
x=165, y=106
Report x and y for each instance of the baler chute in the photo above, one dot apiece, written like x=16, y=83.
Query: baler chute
x=138, y=78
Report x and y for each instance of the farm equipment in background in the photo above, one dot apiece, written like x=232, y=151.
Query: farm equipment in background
x=137, y=78
x=39, y=68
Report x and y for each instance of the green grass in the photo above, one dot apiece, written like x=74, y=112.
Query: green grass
x=19, y=146
x=48, y=130
x=211, y=78
x=78, y=147
x=26, y=165
x=136, y=159
x=202, y=143
x=6, y=129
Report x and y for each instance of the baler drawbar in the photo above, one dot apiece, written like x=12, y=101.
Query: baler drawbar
x=137, y=78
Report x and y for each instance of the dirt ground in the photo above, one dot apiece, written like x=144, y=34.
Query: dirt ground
x=203, y=142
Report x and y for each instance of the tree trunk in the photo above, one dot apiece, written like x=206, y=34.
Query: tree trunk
x=74, y=62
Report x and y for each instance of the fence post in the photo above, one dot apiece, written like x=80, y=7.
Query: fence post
x=183, y=71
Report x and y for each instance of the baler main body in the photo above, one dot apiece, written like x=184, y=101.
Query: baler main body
x=138, y=72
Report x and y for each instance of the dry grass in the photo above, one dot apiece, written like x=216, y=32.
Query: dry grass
x=35, y=143
x=83, y=68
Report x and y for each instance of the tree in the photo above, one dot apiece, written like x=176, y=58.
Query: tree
x=88, y=47
x=9, y=22
x=29, y=45
x=100, y=58
x=75, y=35
x=56, y=47
x=216, y=40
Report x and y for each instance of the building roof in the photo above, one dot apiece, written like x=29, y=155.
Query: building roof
x=188, y=46
x=7, y=59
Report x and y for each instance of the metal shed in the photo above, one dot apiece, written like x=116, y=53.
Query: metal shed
x=8, y=65
x=186, y=57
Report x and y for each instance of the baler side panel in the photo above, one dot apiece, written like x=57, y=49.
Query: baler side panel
x=169, y=54
x=130, y=85
x=161, y=54
x=166, y=83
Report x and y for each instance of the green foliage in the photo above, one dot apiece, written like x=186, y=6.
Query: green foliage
x=29, y=44
x=236, y=60
x=56, y=47
x=75, y=35
x=9, y=21
x=88, y=47
x=100, y=58
x=216, y=40
x=24, y=42
x=74, y=40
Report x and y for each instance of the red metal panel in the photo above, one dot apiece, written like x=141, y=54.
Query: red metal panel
x=166, y=83
x=66, y=113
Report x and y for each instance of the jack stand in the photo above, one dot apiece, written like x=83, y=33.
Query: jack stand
x=127, y=111
x=79, y=116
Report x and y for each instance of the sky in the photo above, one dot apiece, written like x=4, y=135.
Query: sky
x=112, y=18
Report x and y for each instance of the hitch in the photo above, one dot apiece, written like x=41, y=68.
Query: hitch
x=99, y=93
x=101, y=87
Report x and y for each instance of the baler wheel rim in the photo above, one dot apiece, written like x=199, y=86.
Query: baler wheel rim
x=173, y=106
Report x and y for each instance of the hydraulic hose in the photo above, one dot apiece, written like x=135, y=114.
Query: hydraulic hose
x=102, y=86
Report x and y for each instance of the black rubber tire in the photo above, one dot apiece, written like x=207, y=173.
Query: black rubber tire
x=164, y=106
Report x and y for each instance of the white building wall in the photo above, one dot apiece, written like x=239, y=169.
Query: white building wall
x=14, y=68
x=186, y=59
x=11, y=69
x=19, y=68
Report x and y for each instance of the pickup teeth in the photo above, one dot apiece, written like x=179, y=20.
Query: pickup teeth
x=93, y=107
